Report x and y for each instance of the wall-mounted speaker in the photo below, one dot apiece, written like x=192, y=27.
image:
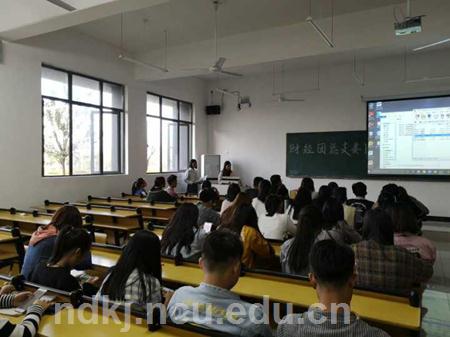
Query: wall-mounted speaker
x=213, y=109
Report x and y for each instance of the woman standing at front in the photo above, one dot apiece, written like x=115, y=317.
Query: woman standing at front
x=192, y=177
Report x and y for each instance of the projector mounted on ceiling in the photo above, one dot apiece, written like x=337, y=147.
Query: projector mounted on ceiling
x=408, y=24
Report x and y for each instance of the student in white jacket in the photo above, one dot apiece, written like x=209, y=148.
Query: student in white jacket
x=259, y=202
x=275, y=225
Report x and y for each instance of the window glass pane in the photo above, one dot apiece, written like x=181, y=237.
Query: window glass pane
x=186, y=111
x=85, y=90
x=112, y=95
x=184, y=146
x=169, y=146
x=54, y=83
x=56, y=138
x=85, y=140
x=153, y=144
x=153, y=105
x=110, y=141
x=169, y=108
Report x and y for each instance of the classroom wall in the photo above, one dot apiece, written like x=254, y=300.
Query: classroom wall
x=254, y=139
x=21, y=183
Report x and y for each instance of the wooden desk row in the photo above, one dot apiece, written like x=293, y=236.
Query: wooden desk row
x=393, y=313
x=84, y=322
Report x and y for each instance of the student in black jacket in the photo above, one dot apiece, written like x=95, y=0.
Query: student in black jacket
x=72, y=245
x=158, y=194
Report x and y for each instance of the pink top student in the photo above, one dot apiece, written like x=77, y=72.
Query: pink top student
x=423, y=246
x=405, y=224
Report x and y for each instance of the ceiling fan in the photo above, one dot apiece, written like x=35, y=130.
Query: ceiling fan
x=217, y=67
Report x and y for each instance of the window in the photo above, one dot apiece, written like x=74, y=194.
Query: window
x=82, y=124
x=169, y=130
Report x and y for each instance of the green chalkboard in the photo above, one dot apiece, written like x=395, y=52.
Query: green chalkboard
x=327, y=154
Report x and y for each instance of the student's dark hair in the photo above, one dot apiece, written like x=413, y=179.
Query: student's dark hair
x=332, y=263
x=171, y=179
x=332, y=185
x=181, y=229
x=324, y=193
x=67, y=216
x=221, y=248
x=404, y=219
x=69, y=239
x=256, y=181
x=341, y=195
x=390, y=188
x=206, y=184
x=309, y=226
x=227, y=217
x=264, y=190
x=359, y=189
x=378, y=227
x=245, y=216
x=225, y=171
x=191, y=162
x=332, y=212
x=160, y=182
x=275, y=180
x=308, y=183
x=141, y=253
x=207, y=195
x=137, y=185
x=302, y=199
x=386, y=200
x=232, y=192
x=273, y=204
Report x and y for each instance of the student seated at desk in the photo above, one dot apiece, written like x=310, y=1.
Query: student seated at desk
x=221, y=264
x=245, y=223
x=30, y=324
x=259, y=203
x=360, y=205
x=278, y=187
x=405, y=225
x=42, y=241
x=205, y=208
x=275, y=224
x=138, y=188
x=333, y=277
x=71, y=247
x=294, y=256
x=136, y=278
x=302, y=199
x=172, y=181
x=158, y=194
x=380, y=264
x=232, y=192
x=253, y=192
x=323, y=195
x=308, y=184
x=183, y=238
x=227, y=217
x=334, y=225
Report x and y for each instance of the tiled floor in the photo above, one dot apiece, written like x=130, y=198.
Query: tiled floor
x=436, y=299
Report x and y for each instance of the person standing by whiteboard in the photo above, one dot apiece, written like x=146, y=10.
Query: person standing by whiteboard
x=226, y=171
x=192, y=177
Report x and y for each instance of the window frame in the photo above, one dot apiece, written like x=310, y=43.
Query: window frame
x=178, y=121
x=70, y=102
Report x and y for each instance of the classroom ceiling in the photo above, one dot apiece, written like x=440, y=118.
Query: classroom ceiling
x=17, y=13
x=189, y=21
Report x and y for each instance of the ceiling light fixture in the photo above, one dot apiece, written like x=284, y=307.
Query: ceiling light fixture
x=432, y=44
x=328, y=40
x=63, y=5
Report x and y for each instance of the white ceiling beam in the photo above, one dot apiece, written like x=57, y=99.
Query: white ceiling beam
x=77, y=18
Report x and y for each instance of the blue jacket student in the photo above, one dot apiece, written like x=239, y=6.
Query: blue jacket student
x=42, y=252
